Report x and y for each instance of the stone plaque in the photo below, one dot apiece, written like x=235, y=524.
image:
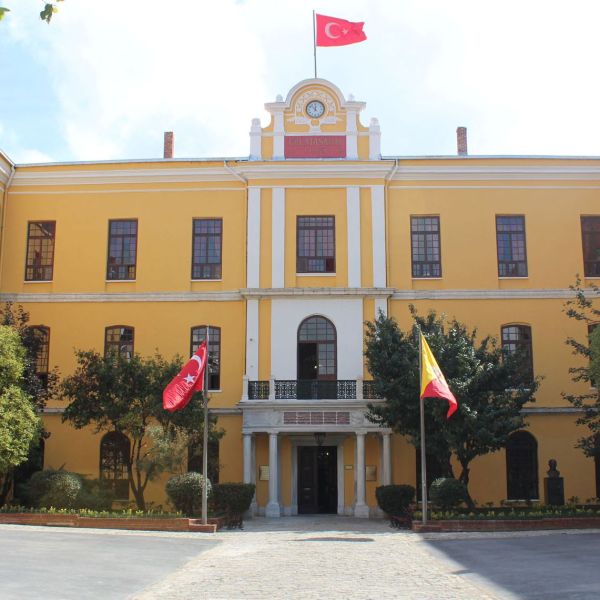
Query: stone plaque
x=370, y=473
x=263, y=473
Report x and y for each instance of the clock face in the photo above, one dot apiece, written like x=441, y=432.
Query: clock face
x=315, y=109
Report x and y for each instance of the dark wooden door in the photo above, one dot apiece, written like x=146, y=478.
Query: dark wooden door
x=317, y=479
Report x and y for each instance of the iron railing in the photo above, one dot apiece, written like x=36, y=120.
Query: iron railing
x=312, y=389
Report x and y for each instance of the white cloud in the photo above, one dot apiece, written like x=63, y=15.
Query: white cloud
x=520, y=75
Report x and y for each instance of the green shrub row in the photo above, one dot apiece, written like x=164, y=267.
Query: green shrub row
x=84, y=512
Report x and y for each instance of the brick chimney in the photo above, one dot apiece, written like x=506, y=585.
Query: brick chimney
x=461, y=141
x=168, y=144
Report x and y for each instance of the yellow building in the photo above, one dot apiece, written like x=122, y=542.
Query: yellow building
x=285, y=255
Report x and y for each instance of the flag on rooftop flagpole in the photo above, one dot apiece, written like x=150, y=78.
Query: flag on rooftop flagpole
x=332, y=31
x=433, y=382
x=189, y=380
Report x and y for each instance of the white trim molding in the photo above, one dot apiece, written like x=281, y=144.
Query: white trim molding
x=232, y=296
x=378, y=235
x=353, y=236
x=278, y=238
x=253, y=239
x=312, y=292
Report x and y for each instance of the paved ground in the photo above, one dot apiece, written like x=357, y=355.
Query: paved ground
x=299, y=557
x=64, y=564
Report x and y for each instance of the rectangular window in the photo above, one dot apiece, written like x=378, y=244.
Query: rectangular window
x=315, y=245
x=39, y=264
x=512, y=250
x=214, y=352
x=122, y=250
x=118, y=340
x=41, y=344
x=516, y=339
x=425, y=246
x=590, y=233
x=207, y=248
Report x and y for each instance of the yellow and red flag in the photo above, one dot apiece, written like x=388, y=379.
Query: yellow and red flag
x=433, y=382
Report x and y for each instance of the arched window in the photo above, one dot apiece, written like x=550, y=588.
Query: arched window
x=114, y=456
x=522, y=467
x=118, y=339
x=317, y=349
x=41, y=345
x=516, y=339
x=214, y=352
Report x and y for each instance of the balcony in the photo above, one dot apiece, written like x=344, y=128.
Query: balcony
x=309, y=389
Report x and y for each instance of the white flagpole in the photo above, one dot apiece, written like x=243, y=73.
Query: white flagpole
x=205, y=439
x=423, y=453
x=315, y=42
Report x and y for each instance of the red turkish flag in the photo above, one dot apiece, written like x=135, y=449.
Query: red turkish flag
x=189, y=380
x=338, y=32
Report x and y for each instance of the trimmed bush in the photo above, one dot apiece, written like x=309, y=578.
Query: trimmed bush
x=56, y=488
x=233, y=500
x=447, y=493
x=185, y=492
x=95, y=495
x=394, y=500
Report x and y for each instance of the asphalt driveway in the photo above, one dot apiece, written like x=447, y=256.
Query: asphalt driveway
x=58, y=563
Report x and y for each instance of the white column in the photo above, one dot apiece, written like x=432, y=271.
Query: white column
x=360, y=507
x=378, y=224
x=386, y=476
x=247, y=437
x=273, y=509
x=253, y=505
x=253, y=244
x=353, y=212
x=252, y=338
x=278, y=238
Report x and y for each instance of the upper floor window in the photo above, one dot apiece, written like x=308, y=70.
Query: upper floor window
x=207, y=248
x=425, y=246
x=214, y=352
x=590, y=234
x=118, y=340
x=41, y=336
x=315, y=245
x=510, y=241
x=516, y=339
x=122, y=249
x=40, y=250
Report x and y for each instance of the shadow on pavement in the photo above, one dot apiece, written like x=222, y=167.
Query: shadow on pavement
x=549, y=566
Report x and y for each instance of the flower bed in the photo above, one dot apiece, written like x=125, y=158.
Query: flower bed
x=128, y=519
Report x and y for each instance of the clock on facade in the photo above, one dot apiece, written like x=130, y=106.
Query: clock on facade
x=315, y=109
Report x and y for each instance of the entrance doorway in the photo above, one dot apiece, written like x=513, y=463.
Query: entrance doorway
x=317, y=480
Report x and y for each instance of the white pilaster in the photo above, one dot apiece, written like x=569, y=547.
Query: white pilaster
x=255, y=140
x=253, y=243
x=253, y=505
x=351, y=135
x=374, y=140
x=278, y=136
x=378, y=224
x=353, y=218
x=386, y=476
x=278, y=238
x=252, y=338
x=360, y=507
x=381, y=306
x=273, y=509
x=247, y=437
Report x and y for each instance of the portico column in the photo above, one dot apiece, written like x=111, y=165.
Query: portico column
x=247, y=437
x=387, y=459
x=360, y=508
x=273, y=509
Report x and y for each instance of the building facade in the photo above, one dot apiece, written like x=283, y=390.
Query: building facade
x=284, y=256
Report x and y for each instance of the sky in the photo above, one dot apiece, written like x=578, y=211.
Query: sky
x=106, y=78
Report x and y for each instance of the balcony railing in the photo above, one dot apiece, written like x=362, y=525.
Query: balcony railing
x=309, y=389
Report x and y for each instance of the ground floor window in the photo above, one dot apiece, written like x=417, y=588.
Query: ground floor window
x=114, y=457
x=522, y=467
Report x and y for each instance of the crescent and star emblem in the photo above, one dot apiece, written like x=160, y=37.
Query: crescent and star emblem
x=330, y=34
x=198, y=360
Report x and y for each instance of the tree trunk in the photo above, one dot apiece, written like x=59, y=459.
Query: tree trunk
x=6, y=486
x=464, y=478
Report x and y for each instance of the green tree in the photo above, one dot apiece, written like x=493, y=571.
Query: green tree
x=46, y=13
x=489, y=386
x=19, y=424
x=125, y=395
x=583, y=308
